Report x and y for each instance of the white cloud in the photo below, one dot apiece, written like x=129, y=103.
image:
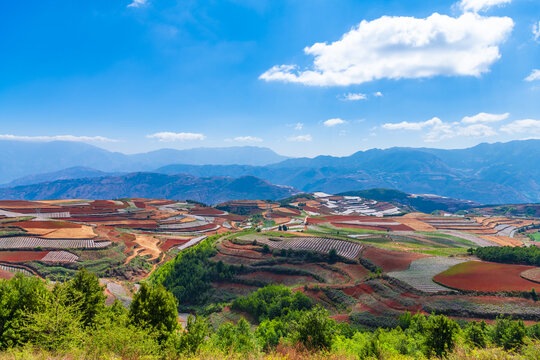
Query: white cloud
x=170, y=136
x=299, y=126
x=137, y=3
x=334, y=122
x=57, y=138
x=481, y=5
x=535, y=75
x=378, y=94
x=484, y=118
x=536, y=31
x=439, y=130
x=300, y=138
x=530, y=126
x=354, y=97
x=402, y=47
x=247, y=139
x=405, y=125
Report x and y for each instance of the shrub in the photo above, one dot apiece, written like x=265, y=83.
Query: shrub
x=315, y=330
x=509, y=334
x=440, y=335
x=475, y=334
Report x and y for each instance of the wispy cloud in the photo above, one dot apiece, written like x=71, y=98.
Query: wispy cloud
x=334, y=122
x=393, y=47
x=353, y=97
x=246, y=139
x=137, y=3
x=378, y=94
x=529, y=126
x=438, y=130
x=300, y=138
x=535, y=75
x=484, y=118
x=170, y=136
x=481, y=5
x=57, y=138
x=299, y=126
x=536, y=31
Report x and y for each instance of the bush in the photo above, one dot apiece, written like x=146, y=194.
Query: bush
x=315, y=330
x=509, y=334
x=475, y=334
x=440, y=335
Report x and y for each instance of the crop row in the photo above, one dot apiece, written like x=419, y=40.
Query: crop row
x=421, y=272
x=21, y=242
x=15, y=269
x=346, y=249
x=60, y=257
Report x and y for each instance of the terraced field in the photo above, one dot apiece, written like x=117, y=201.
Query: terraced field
x=347, y=249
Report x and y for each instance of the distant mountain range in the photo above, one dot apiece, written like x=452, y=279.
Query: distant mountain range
x=487, y=173
x=23, y=158
x=210, y=191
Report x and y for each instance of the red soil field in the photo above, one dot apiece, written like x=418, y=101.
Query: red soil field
x=206, y=212
x=21, y=256
x=484, y=276
x=6, y=274
x=390, y=260
x=169, y=243
x=373, y=227
x=358, y=290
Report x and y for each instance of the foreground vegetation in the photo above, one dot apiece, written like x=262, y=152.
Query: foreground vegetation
x=70, y=320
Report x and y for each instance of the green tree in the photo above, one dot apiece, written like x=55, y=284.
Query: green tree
x=85, y=292
x=154, y=308
x=58, y=325
x=315, y=329
x=475, y=334
x=195, y=336
x=19, y=296
x=440, y=335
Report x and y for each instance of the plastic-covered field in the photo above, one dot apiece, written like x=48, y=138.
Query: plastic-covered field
x=421, y=272
x=22, y=242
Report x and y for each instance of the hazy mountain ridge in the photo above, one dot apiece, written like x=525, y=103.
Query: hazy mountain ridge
x=23, y=158
x=211, y=190
x=487, y=173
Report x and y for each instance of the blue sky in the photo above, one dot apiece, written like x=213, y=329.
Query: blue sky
x=301, y=77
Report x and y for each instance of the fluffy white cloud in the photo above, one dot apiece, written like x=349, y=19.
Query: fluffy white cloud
x=529, y=126
x=247, y=139
x=536, y=31
x=484, y=118
x=299, y=126
x=137, y=3
x=481, y=5
x=334, y=122
x=402, y=47
x=535, y=75
x=440, y=130
x=300, y=138
x=354, y=97
x=57, y=138
x=378, y=94
x=170, y=136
